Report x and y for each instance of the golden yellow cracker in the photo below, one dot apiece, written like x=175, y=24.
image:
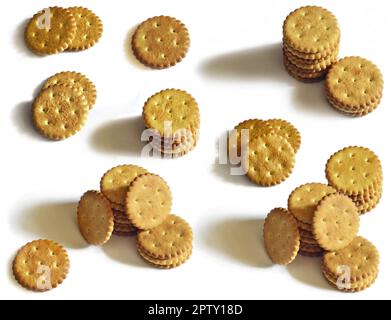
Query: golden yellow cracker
x=148, y=201
x=161, y=42
x=336, y=222
x=95, y=218
x=166, y=263
x=303, y=201
x=172, y=112
x=59, y=112
x=41, y=265
x=309, y=56
x=349, y=111
x=76, y=80
x=89, y=29
x=286, y=130
x=303, y=74
x=281, y=236
x=369, y=205
x=316, y=64
x=115, y=184
x=360, y=257
x=301, y=78
x=170, y=239
x=355, y=82
x=50, y=31
x=311, y=29
x=353, y=170
x=270, y=160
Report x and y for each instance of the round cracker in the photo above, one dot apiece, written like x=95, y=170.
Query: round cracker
x=355, y=82
x=89, y=29
x=60, y=112
x=55, y=39
x=270, y=160
x=77, y=80
x=95, y=218
x=304, y=200
x=171, y=239
x=354, y=170
x=161, y=42
x=311, y=29
x=39, y=260
x=286, y=130
x=360, y=256
x=115, y=184
x=170, y=263
x=148, y=201
x=281, y=236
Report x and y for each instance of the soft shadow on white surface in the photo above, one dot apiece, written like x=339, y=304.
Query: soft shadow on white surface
x=240, y=240
x=260, y=63
x=19, y=40
x=121, y=137
x=124, y=250
x=129, y=51
x=308, y=271
x=54, y=221
x=22, y=119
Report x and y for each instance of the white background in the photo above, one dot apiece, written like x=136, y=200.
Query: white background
x=235, y=71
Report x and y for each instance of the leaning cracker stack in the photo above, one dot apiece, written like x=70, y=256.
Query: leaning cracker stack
x=324, y=220
x=267, y=149
x=354, y=86
x=357, y=172
x=134, y=202
x=172, y=118
x=54, y=30
x=61, y=108
x=311, y=37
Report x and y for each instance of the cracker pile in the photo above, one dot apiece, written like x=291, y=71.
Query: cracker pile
x=41, y=265
x=311, y=37
x=161, y=42
x=172, y=118
x=354, y=86
x=55, y=29
x=61, y=108
x=134, y=202
x=357, y=172
x=267, y=149
x=324, y=220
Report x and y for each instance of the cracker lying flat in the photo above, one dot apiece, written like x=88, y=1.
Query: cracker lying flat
x=41, y=265
x=304, y=200
x=50, y=31
x=270, y=160
x=171, y=239
x=60, y=111
x=336, y=222
x=161, y=42
x=281, y=236
x=76, y=80
x=95, y=218
x=89, y=29
x=148, y=201
x=170, y=263
x=115, y=183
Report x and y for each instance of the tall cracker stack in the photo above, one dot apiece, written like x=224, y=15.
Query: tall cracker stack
x=311, y=38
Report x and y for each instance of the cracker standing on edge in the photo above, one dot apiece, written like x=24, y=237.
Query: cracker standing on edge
x=148, y=201
x=336, y=222
x=281, y=236
x=39, y=260
x=50, y=31
x=60, y=111
x=89, y=29
x=77, y=80
x=161, y=42
x=95, y=218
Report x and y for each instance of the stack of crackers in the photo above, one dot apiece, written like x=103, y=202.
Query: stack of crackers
x=133, y=201
x=354, y=86
x=172, y=118
x=161, y=42
x=357, y=172
x=62, y=107
x=54, y=30
x=311, y=37
x=323, y=221
x=267, y=149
